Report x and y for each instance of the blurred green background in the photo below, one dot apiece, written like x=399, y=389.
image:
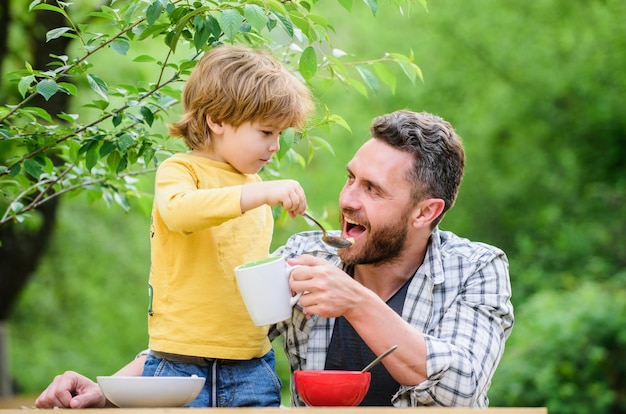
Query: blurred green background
x=537, y=91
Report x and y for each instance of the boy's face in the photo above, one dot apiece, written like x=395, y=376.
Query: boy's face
x=247, y=147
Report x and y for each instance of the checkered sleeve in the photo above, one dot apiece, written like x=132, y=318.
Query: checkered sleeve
x=465, y=341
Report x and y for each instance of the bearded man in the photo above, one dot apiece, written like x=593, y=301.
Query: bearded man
x=444, y=300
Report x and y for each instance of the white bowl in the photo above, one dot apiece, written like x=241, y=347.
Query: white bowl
x=141, y=392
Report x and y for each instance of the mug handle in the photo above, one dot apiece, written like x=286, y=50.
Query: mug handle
x=294, y=299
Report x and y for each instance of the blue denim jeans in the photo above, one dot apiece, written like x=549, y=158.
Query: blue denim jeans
x=229, y=383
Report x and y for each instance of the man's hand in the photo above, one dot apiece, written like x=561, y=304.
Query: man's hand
x=71, y=390
x=329, y=292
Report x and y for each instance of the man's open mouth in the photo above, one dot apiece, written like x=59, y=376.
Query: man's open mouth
x=353, y=228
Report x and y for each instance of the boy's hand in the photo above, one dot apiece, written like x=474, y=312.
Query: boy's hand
x=287, y=193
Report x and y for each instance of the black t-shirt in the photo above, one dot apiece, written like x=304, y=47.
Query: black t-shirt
x=347, y=351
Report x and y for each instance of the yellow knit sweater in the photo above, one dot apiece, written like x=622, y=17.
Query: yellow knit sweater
x=198, y=236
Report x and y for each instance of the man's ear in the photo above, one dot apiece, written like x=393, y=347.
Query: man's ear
x=428, y=210
x=216, y=127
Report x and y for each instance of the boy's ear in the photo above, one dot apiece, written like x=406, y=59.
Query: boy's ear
x=428, y=210
x=216, y=127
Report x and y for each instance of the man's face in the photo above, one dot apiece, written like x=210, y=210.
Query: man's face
x=376, y=204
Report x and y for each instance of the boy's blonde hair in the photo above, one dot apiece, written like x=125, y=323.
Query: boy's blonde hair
x=238, y=84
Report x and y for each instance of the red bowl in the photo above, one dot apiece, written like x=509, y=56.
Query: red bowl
x=330, y=388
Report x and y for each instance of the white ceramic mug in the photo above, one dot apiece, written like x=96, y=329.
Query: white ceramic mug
x=264, y=286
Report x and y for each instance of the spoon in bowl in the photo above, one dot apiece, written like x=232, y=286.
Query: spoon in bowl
x=380, y=357
x=334, y=241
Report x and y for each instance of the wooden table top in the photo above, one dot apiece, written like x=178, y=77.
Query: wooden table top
x=286, y=410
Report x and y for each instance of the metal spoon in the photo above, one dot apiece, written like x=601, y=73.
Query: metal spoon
x=380, y=357
x=334, y=241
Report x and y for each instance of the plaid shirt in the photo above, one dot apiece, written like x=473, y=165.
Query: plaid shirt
x=459, y=299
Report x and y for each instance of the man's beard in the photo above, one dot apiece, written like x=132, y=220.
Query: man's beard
x=383, y=245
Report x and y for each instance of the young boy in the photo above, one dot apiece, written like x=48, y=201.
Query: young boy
x=211, y=213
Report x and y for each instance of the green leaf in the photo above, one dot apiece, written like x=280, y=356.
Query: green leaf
x=144, y=58
x=308, y=63
x=68, y=88
x=125, y=142
x=304, y=24
x=336, y=119
x=358, y=86
x=368, y=77
x=320, y=142
x=17, y=207
x=296, y=158
x=38, y=112
x=122, y=165
x=121, y=200
x=99, y=86
x=171, y=39
x=230, y=21
x=15, y=170
x=24, y=84
x=113, y=160
x=214, y=26
x=386, y=75
x=106, y=148
x=277, y=6
x=202, y=34
x=33, y=168
x=338, y=66
x=48, y=166
x=373, y=5
x=154, y=31
x=97, y=103
x=144, y=146
x=117, y=119
x=255, y=15
x=188, y=65
x=56, y=33
x=147, y=115
x=285, y=23
x=245, y=27
x=410, y=69
x=132, y=157
x=271, y=24
x=44, y=6
x=346, y=4
x=92, y=157
x=286, y=139
x=73, y=148
x=86, y=146
x=47, y=88
x=68, y=117
x=418, y=71
x=106, y=13
x=153, y=12
x=121, y=46
x=148, y=156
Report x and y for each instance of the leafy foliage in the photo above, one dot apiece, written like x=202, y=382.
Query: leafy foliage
x=86, y=308
x=48, y=154
x=572, y=358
